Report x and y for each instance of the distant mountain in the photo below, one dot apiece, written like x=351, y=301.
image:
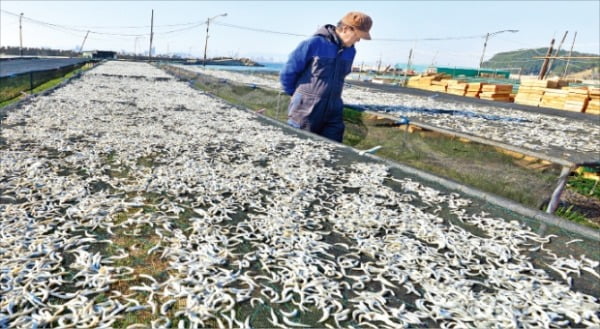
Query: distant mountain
x=523, y=58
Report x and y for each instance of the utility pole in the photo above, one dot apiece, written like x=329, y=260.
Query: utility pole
x=557, y=51
x=407, y=67
x=570, y=54
x=360, y=70
x=546, y=60
x=151, y=35
x=21, y=35
x=206, y=40
x=81, y=48
x=135, y=42
x=487, y=36
x=434, y=57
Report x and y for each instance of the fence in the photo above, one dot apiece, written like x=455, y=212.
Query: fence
x=14, y=85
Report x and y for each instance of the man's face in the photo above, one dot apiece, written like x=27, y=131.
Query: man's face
x=349, y=36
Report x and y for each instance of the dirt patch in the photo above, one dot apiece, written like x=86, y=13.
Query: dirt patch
x=586, y=205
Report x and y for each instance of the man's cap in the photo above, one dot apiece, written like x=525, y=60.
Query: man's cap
x=361, y=22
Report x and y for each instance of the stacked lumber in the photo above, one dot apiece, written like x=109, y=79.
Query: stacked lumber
x=494, y=92
x=457, y=87
x=554, y=98
x=433, y=82
x=420, y=81
x=439, y=85
x=531, y=91
x=473, y=89
x=593, y=106
x=577, y=99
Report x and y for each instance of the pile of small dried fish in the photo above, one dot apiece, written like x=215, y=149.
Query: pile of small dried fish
x=533, y=131
x=256, y=79
x=128, y=199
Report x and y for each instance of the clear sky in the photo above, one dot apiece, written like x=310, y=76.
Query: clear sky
x=125, y=26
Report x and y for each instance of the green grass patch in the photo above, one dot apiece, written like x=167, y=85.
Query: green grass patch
x=575, y=216
x=12, y=87
x=584, y=186
x=9, y=101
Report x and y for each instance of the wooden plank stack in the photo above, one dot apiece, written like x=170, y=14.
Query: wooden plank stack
x=457, y=87
x=420, y=81
x=494, y=92
x=433, y=82
x=593, y=106
x=439, y=85
x=577, y=99
x=473, y=89
x=531, y=91
x=554, y=98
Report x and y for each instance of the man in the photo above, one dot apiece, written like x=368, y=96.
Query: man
x=314, y=75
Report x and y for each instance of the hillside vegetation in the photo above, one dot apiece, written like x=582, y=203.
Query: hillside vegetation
x=523, y=59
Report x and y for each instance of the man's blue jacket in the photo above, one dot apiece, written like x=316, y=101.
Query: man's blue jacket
x=314, y=76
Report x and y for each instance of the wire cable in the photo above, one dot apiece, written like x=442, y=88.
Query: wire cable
x=258, y=30
x=378, y=39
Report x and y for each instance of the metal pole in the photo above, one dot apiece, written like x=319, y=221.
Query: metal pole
x=487, y=36
x=151, y=35
x=21, y=35
x=86, y=35
x=545, y=65
x=562, y=181
x=206, y=42
x=570, y=53
x=407, y=67
x=278, y=99
x=557, y=51
x=360, y=70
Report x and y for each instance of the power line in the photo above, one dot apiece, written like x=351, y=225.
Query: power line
x=431, y=39
x=377, y=39
x=132, y=27
x=259, y=30
x=516, y=61
x=197, y=24
x=246, y=28
x=182, y=29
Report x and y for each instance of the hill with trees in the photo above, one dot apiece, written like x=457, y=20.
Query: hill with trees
x=523, y=59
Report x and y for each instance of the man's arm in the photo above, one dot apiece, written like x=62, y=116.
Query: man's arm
x=294, y=66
